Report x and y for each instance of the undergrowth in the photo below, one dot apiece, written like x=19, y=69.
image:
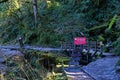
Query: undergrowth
x=35, y=66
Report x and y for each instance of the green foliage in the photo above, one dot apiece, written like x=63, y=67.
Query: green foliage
x=101, y=38
x=58, y=20
x=112, y=22
x=37, y=65
x=113, y=29
x=117, y=46
x=24, y=70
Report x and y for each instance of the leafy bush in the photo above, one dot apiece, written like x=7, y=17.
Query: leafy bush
x=36, y=65
x=117, y=46
x=57, y=20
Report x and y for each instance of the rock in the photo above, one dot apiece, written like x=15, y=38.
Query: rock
x=7, y=54
x=10, y=53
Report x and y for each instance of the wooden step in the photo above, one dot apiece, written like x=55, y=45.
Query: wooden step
x=74, y=63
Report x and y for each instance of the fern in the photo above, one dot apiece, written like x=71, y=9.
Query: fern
x=112, y=22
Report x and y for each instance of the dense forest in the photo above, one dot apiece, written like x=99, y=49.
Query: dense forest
x=46, y=24
x=49, y=22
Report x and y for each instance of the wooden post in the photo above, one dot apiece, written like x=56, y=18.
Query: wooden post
x=21, y=43
x=22, y=47
x=101, y=44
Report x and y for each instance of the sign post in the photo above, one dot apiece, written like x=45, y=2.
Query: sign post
x=76, y=53
x=80, y=40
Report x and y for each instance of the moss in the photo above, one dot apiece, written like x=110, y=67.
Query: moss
x=65, y=60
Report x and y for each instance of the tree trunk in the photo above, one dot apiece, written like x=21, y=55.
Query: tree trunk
x=35, y=10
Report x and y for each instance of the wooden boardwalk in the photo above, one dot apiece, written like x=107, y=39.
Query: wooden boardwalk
x=27, y=47
x=72, y=73
x=77, y=74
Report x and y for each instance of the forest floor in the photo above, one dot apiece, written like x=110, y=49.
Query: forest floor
x=101, y=69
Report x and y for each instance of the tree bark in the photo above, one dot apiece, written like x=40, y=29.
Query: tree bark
x=35, y=10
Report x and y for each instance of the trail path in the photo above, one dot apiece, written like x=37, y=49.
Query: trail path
x=16, y=47
x=101, y=69
x=77, y=74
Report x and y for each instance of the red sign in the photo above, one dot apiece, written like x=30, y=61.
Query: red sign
x=80, y=40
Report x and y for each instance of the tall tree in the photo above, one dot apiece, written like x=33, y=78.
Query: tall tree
x=35, y=10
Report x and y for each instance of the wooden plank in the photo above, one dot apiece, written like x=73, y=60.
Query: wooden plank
x=73, y=63
x=75, y=55
x=76, y=59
